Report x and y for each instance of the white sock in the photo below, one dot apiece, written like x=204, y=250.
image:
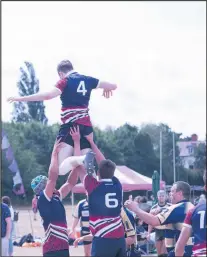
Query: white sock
x=70, y=163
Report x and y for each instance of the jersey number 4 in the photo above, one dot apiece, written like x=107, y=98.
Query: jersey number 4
x=202, y=219
x=82, y=88
x=110, y=201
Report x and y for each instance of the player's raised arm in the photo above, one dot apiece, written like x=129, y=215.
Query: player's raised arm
x=98, y=154
x=106, y=85
x=73, y=176
x=53, y=170
x=36, y=97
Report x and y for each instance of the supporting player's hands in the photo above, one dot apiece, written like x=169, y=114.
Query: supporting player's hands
x=58, y=146
x=107, y=93
x=12, y=99
x=75, y=133
x=77, y=241
x=131, y=205
x=89, y=137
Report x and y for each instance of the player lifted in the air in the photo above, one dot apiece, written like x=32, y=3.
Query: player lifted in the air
x=74, y=90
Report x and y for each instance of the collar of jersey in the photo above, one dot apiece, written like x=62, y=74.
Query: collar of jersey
x=105, y=180
x=70, y=72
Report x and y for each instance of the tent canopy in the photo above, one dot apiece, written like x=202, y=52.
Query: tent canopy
x=130, y=180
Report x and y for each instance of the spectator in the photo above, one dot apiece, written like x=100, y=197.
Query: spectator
x=5, y=229
x=82, y=214
x=6, y=200
x=137, y=199
x=144, y=205
x=34, y=206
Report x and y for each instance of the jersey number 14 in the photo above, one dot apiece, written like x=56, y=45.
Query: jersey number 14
x=82, y=88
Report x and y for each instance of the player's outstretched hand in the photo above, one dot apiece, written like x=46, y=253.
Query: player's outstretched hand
x=75, y=133
x=107, y=93
x=89, y=137
x=131, y=205
x=12, y=99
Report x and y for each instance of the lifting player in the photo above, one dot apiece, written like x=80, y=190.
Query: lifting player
x=74, y=90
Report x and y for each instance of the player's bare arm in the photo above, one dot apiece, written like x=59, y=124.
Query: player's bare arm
x=73, y=176
x=182, y=241
x=53, y=170
x=98, y=154
x=146, y=217
x=36, y=97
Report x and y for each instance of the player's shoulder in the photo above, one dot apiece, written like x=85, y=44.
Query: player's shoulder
x=116, y=180
x=199, y=207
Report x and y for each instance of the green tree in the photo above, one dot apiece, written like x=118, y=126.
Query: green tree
x=27, y=111
x=200, y=156
x=167, y=148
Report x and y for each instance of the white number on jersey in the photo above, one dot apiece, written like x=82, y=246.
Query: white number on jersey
x=202, y=219
x=82, y=88
x=110, y=201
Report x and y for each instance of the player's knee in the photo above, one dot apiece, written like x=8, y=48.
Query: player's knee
x=64, y=153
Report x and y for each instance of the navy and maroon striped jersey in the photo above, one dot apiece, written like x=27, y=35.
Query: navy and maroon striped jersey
x=196, y=219
x=75, y=96
x=105, y=203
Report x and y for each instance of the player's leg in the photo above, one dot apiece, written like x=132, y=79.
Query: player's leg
x=87, y=248
x=84, y=144
x=159, y=241
x=66, y=139
x=163, y=248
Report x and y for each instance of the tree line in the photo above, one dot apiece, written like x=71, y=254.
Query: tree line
x=137, y=148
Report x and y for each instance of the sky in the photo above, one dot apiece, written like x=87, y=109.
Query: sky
x=154, y=51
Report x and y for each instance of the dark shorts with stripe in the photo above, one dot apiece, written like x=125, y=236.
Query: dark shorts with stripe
x=64, y=134
x=108, y=247
x=159, y=234
x=85, y=242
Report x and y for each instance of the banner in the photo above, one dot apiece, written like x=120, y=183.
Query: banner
x=18, y=187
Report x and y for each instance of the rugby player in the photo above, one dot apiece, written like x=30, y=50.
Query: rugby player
x=159, y=230
x=50, y=204
x=195, y=222
x=105, y=197
x=74, y=90
x=173, y=215
x=81, y=214
x=128, y=221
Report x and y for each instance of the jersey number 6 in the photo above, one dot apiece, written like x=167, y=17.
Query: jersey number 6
x=82, y=88
x=110, y=201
